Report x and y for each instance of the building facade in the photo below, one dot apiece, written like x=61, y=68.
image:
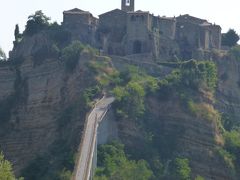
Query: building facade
x=124, y=32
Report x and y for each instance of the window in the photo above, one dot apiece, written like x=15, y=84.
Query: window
x=128, y=3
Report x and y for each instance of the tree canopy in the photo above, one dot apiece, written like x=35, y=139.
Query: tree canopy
x=114, y=165
x=6, y=172
x=230, y=38
x=2, y=55
x=36, y=22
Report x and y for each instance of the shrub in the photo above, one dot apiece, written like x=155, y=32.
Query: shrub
x=199, y=178
x=2, y=55
x=227, y=157
x=232, y=144
x=114, y=164
x=198, y=75
x=71, y=54
x=106, y=75
x=182, y=169
x=235, y=52
x=130, y=100
x=36, y=23
x=230, y=38
x=6, y=171
x=203, y=110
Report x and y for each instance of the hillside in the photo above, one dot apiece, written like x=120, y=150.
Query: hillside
x=176, y=119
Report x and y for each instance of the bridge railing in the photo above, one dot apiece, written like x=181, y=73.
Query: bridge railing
x=87, y=171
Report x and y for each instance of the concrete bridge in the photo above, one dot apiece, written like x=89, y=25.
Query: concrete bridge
x=87, y=155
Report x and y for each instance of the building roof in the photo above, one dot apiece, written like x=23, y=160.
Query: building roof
x=112, y=11
x=138, y=12
x=76, y=11
x=187, y=17
x=167, y=18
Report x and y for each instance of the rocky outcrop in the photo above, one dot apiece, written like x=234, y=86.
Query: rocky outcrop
x=174, y=132
x=35, y=122
x=228, y=90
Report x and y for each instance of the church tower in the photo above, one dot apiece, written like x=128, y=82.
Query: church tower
x=128, y=5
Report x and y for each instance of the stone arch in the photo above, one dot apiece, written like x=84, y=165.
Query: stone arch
x=137, y=47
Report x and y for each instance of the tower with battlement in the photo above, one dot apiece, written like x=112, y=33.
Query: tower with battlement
x=128, y=5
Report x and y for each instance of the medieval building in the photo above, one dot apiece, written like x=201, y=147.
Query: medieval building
x=125, y=32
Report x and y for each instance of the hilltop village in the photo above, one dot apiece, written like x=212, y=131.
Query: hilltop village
x=125, y=32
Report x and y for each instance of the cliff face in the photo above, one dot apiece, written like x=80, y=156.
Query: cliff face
x=228, y=91
x=44, y=108
x=174, y=132
x=170, y=130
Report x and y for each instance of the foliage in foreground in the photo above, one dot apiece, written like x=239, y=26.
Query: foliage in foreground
x=6, y=171
x=114, y=165
x=230, y=38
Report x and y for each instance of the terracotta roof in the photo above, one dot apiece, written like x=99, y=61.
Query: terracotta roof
x=112, y=11
x=139, y=12
x=76, y=11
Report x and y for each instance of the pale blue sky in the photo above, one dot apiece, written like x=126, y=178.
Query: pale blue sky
x=222, y=12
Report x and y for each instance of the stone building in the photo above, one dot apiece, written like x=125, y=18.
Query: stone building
x=128, y=5
x=198, y=33
x=81, y=24
x=126, y=32
x=112, y=31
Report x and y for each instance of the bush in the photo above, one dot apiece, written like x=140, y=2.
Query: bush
x=230, y=38
x=198, y=75
x=182, y=169
x=235, y=52
x=2, y=55
x=106, y=75
x=232, y=144
x=203, y=110
x=114, y=164
x=6, y=171
x=71, y=54
x=227, y=158
x=130, y=100
x=36, y=23
x=199, y=178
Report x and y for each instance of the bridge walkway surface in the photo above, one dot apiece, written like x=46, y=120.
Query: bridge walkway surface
x=87, y=147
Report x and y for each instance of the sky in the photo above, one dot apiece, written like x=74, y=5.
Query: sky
x=12, y=12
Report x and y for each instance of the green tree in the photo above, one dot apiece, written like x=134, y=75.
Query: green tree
x=114, y=165
x=2, y=55
x=36, y=22
x=230, y=38
x=6, y=172
x=182, y=169
x=71, y=54
x=16, y=32
x=130, y=100
x=199, y=178
x=232, y=143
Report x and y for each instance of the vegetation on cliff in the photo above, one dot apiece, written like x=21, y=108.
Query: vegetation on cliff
x=153, y=113
x=6, y=171
x=114, y=164
x=230, y=38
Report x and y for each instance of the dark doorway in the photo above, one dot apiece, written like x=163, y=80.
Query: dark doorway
x=137, y=47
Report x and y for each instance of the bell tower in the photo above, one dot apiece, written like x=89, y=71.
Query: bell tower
x=128, y=5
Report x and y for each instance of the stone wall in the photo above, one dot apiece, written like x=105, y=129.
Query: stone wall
x=138, y=37
x=167, y=27
x=107, y=129
x=111, y=31
x=81, y=24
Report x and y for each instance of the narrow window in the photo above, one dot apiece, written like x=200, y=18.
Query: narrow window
x=127, y=2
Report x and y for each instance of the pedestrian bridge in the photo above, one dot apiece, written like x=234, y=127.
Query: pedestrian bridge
x=99, y=128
